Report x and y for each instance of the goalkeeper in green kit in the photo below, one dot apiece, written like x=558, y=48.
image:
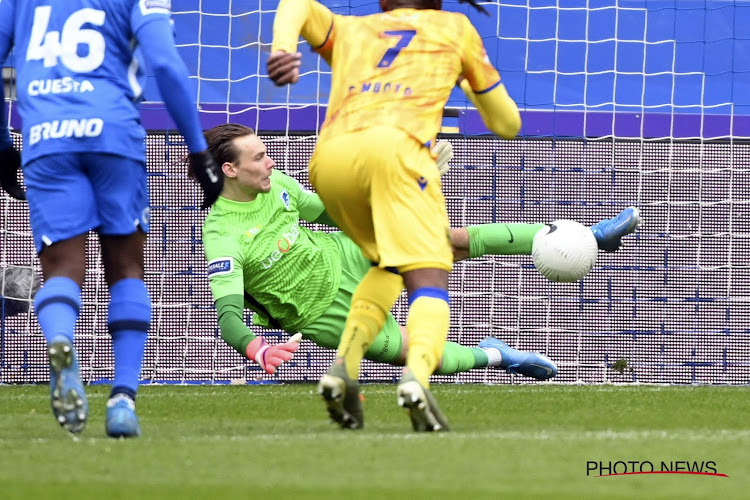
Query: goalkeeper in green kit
x=298, y=280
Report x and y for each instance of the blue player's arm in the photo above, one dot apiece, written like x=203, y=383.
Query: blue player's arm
x=6, y=41
x=10, y=159
x=172, y=78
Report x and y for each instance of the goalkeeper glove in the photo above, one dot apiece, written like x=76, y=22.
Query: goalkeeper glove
x=207, y=172
x=443, y=152
x=269, y=357
x=10, y=162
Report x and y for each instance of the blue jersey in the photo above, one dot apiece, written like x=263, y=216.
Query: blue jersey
x=78, y=77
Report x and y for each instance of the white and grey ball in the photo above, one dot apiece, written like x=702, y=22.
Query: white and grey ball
x=564, y=251
x=18, y=285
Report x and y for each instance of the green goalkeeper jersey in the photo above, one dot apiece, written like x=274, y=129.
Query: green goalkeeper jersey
x=287, y=273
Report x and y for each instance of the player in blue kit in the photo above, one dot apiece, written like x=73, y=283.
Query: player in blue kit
x=84, y=164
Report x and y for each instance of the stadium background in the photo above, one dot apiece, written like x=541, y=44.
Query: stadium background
x=624, y=102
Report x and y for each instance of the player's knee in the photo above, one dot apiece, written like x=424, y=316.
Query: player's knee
x=425, y=278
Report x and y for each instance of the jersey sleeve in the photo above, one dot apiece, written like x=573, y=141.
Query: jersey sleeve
x=477, y=68
x=225, y=261
x=309, y=205
x=145, y=11
x=312, y=20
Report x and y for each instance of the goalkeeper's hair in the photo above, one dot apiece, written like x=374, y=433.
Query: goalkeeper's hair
x=220, y=143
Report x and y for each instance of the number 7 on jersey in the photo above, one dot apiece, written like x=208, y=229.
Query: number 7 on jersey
x=404, y=38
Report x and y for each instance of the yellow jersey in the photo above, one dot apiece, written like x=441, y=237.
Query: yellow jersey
x=394, y=68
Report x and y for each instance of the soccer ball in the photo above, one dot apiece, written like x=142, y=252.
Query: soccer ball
x=564, y=251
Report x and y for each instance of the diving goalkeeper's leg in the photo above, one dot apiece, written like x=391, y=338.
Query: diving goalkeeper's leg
x=390, y=346
x=517, y=238
x=609, y=232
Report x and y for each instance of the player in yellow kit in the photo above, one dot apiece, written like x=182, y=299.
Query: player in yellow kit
x=392, y=75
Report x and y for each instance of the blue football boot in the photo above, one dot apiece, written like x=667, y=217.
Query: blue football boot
x=608, y=233
x=530, y=364
x=67, y=396
x=121, y=418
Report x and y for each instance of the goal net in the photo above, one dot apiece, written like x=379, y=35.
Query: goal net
x=624, y=102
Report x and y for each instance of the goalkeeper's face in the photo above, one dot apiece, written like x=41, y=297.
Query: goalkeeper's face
x=250, y=175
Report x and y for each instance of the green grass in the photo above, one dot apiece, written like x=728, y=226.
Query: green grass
x=255, y=441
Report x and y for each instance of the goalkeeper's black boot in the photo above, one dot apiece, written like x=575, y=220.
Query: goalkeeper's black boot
x=68, y=399
x=421, y=405
x=341, y=395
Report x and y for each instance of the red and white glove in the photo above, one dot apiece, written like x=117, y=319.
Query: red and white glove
x=269, y=357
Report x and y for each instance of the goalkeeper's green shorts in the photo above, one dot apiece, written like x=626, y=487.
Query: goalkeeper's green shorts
x=326, y=331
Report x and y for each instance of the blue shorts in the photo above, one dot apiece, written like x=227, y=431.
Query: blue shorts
x=71, y=194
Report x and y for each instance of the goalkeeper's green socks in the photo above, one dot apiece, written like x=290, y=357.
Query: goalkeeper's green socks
x=458, y=358
x=501, y=239
x=371, y=302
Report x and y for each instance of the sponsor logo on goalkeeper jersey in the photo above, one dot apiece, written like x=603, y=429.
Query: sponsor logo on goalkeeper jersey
x=250, y=233
x=222, y=265
x=285, y=198
x=630, y=467
x=58, y=129
x=58, y=86
x=283, y=245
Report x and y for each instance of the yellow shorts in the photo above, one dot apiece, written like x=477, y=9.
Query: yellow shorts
x=383, y=190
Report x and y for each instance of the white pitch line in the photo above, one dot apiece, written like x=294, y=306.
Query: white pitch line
x=608, y=435
x=556, y=436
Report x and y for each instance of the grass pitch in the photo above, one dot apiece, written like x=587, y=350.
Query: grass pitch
x=274, y=441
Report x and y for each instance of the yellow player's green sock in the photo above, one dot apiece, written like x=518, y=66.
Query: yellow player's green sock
x=428, y=323
x=371, y=302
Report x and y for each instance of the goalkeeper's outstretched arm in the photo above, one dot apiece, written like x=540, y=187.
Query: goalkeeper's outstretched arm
x=234, y=332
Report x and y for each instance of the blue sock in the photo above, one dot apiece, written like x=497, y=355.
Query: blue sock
x=57, y=305
x=128, y=321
